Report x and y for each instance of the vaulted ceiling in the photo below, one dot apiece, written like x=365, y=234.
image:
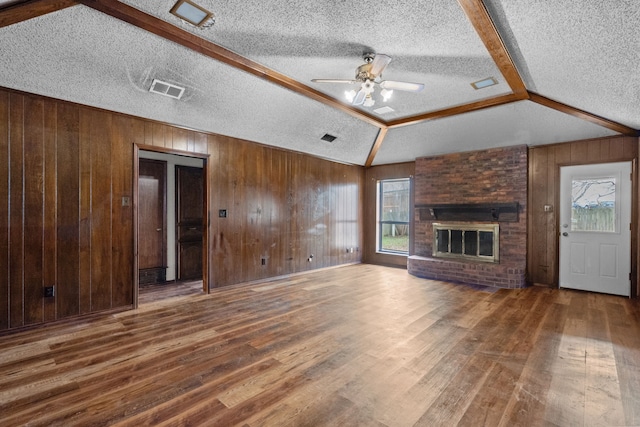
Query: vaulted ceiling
x=566, y=70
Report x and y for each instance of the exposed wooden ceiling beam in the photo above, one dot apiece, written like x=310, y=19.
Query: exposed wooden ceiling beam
x=376, y=146
x=177, y=35
x=479, y=16
x=31, y=9
x=454, y=111
x=609, y=124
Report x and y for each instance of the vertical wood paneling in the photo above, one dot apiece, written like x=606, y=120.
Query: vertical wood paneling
x=101, y=208
x=68, y=211
x=180, y=139
x=295, y=251
x=240, y=211
x=542, y=257
x=122, y=216
x=593, y=150
x=538, y=183
x=579, y=153
x=33, y=209
x=85, y=148
x=68, y=167
x=268, y=184
x=200, y=143
x=50, y=215
x=307, y=193
x=16, y=211
x=281, y=263
x=252, y=218
x=218, y=191
x=4, y=210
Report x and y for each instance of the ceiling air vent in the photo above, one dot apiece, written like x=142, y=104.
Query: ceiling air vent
x=328, y=138
x=166, y=89
x=384, y=110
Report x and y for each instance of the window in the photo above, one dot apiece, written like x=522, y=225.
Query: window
x=393, y=215
x=593, y=204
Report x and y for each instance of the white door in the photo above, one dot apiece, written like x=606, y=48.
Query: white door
x=595, y=227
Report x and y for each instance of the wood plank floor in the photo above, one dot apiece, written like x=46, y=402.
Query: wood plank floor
x=156, y=292
x=360, y=345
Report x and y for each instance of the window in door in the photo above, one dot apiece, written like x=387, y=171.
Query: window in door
x=393, y=216
x=593, y=204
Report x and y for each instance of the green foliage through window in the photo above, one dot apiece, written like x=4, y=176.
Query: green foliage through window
x=393, y=215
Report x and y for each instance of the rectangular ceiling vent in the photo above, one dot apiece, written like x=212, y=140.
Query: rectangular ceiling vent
x=384, y=110
x=328, y=138
x=166, y=89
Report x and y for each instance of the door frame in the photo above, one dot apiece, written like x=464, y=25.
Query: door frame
x=206, y=267
x=634, y=219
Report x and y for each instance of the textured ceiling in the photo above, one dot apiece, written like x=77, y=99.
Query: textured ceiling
x=577, y=62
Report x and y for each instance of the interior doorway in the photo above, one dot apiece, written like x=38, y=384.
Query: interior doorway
x=189, y=222
x=157, y=197
x=152, y=203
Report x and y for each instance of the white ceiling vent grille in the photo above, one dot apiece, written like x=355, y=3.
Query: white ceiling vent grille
x=384, y=110
x=166, y=89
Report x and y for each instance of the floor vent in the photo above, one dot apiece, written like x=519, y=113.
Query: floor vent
x=166, y=89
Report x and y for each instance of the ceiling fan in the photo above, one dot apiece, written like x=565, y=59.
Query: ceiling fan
x=368, y=76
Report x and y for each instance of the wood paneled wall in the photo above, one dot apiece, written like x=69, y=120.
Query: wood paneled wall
x=373, y=175
x=544, y=178
x=64, y=169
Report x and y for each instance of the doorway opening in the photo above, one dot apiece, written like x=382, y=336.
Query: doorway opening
x=170, y=202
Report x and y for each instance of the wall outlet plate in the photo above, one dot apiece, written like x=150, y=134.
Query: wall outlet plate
x=222, y=213
x=49, y=291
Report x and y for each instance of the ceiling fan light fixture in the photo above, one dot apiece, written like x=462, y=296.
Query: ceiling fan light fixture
x=350, y=95
x=481, y=84
x=386, y=94
x=369, y=101
x=192, y=13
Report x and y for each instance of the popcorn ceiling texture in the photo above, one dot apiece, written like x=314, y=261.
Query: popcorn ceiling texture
x=584, y=54
x=517, y=123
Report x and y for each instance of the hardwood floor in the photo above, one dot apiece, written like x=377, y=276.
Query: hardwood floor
x=157, y=292
x=359, y=345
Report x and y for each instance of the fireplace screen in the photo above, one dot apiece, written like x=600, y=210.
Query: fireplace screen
x=478, y=242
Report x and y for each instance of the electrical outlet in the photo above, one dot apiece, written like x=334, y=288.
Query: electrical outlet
x=49, y=291
x=264, y=261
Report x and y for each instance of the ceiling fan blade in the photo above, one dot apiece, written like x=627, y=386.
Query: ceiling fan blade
x=360, y=96
x=406, y=86
x=380, y=62
x=334, y=81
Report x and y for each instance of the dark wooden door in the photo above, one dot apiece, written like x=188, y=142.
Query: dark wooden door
x=152, y=221
x=189, y=217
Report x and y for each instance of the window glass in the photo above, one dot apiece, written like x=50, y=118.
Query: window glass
x=486, y=243
x=393, y=214
x=593, y=204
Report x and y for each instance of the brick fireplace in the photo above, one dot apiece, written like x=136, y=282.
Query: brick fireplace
x=475, y=183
